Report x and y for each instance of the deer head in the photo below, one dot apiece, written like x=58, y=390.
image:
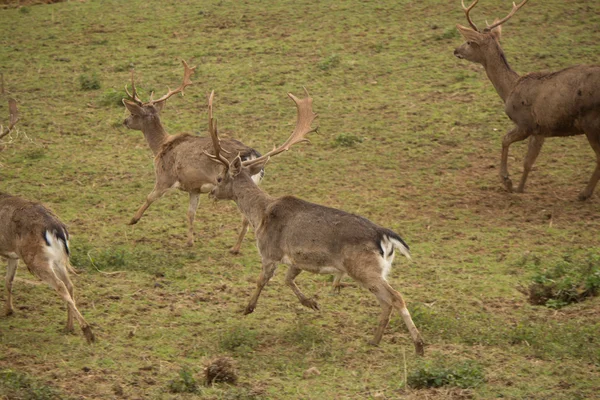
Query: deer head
x=142, y=112
x=224, y=188
x=480, y=43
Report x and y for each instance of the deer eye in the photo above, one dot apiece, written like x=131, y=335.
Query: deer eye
x=219, y=179
x=469, y=43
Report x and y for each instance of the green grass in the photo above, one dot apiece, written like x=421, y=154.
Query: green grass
x=409, y=137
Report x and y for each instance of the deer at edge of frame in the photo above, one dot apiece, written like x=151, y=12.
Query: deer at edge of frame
x=541, y=104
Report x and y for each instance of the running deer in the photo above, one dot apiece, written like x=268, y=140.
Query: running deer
x=311, y=237
x=541, y=104
x=180, y=160
x=32, y=233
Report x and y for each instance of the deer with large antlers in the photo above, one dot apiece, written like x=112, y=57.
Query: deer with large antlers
x=311, y=237
x=32, y=233
x=180, y=160
x=541, y=104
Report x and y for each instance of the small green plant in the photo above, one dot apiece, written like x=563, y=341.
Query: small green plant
x=450, y=33
x=346, y=140
x=184, y=382
x=15, y=385
x=568, y=281
x=239, y=339
x=329, y=63
x=24, y=10
x=464, y=375
x=34, y=154
x=89, y=82
x=112, y=98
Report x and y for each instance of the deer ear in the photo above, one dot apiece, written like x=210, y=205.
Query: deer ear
x=497, y=31
x=133, y=107
x=160, y=105
x=236, y=166
x=469, y=34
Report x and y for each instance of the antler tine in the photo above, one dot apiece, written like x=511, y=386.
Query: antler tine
x=188, y=71
x=304, y=120
x=214, y=135
x=467, y=10
x=503, y=20
x=14, y=118
x=134, y=95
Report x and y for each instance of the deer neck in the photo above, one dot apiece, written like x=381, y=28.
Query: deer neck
x=155, y=134
x=250, y=199
x=499, y=72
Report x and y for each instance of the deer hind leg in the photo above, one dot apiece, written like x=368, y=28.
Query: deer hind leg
x=388, y=298
x=10, y=276
x=513, y=136
x=594, y=139
x=191, y=215
x=533, y=150
x=268, y=270
x=292, y=273
x=154, y=195
x=46, y=273
x=245, y=224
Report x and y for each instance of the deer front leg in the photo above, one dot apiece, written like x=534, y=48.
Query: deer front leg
x=10, y=276
x=245, y=223
x=268, y=269
x=513, y=136
x=594, y=139
x=533, y=150
x=292, y=273
x=154, y=195
x=191, y=215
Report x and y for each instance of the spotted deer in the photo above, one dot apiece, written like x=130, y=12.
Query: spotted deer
x=32, y=233
x=541, y=104
x=13, y=118
x=180, y=161
x=310, y=237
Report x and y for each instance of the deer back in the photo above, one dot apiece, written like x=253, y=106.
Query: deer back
x=555, y=100
x=25, y=226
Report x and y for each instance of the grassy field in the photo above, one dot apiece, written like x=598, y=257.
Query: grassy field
x=409, y=137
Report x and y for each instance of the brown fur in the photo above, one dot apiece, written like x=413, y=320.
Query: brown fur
x=318, y=239
x=24, y=230
x=180, y=161
x=541, y=104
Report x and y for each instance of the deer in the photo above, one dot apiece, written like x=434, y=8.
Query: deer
x=541, y=104
x=32, y=233
x=311, y=237
x=179, y=160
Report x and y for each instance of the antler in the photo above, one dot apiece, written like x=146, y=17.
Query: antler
x=305, y=118
x=186, y=82
x=212, y=129
x=467, y=10
x=14, y=118
x=503, y=20
x=134, y=95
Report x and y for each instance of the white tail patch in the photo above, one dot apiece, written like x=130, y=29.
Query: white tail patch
x=388, y=244
x=56, y=251
x=401, y=247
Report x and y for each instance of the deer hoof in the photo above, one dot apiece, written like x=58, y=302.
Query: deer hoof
x=9, y=312
x=583, y=196
x=89, y=335
x=310, y=303
x=234, y=251
x=189, y=243
x=373, y=342
x=419, y=348
x=133, y=221
x=249, y=310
